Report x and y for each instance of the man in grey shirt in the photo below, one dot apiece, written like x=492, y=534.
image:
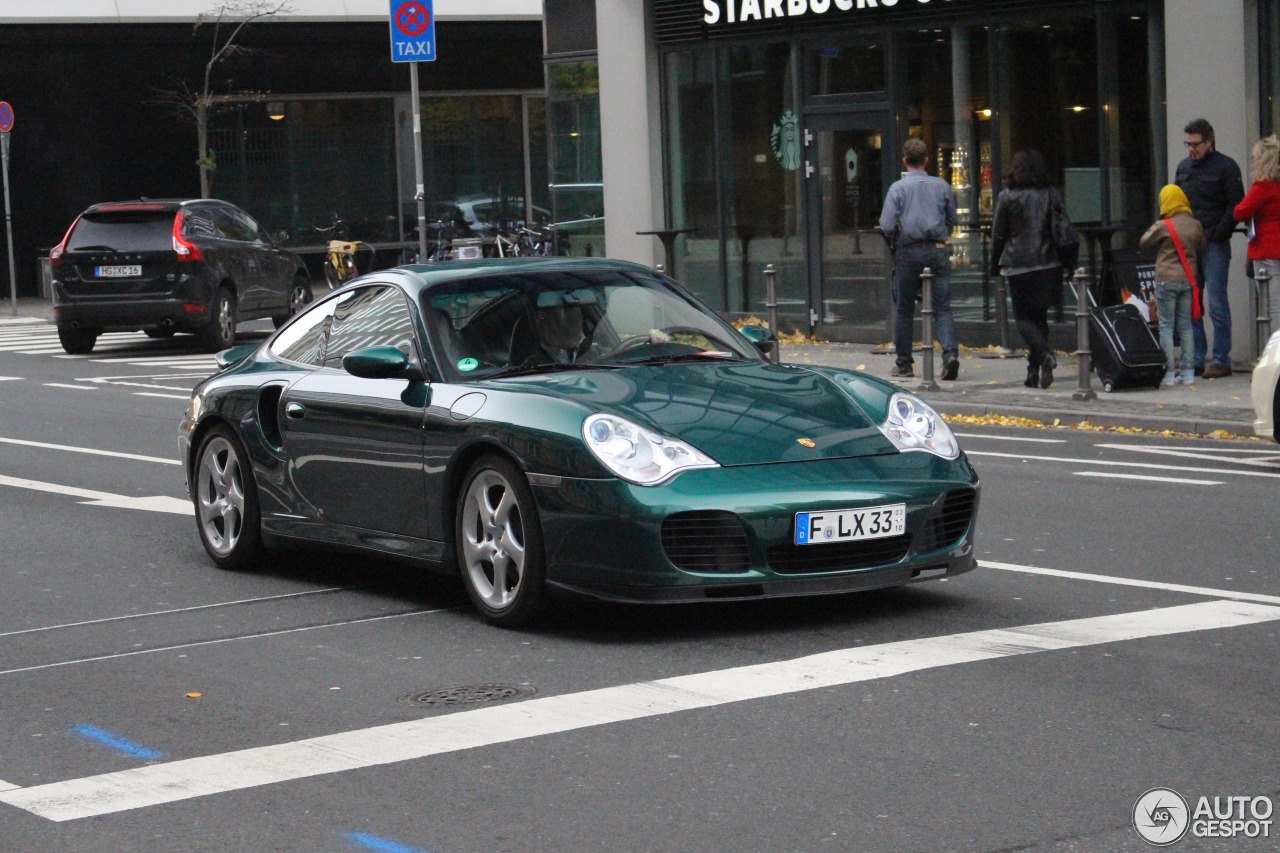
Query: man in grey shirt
x=919, y=213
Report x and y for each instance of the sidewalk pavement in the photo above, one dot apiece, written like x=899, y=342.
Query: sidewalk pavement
x=990, y=386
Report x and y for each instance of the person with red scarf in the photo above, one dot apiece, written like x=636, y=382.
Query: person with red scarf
x=1177, y=236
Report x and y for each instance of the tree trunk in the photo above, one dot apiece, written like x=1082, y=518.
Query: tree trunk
x=202, y=142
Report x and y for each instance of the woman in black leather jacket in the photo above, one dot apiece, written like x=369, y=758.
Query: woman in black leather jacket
x=1023, y=252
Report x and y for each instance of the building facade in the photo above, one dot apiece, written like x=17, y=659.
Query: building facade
x=776, y=127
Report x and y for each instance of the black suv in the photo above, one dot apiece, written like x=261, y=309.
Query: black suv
x=170, y=266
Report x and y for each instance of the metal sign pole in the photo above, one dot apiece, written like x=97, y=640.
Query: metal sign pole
x=419, y=195
x=8, y=225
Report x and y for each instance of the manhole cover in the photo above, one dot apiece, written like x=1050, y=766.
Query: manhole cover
x=472, y=695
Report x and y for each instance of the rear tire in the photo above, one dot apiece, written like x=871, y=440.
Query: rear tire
x=77, y=341
x=299, y=298
x=228, y=517
x=220, y=332
x=498, y=541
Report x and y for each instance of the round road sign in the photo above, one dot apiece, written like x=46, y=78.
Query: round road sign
x=6, y=117
x=412, y=18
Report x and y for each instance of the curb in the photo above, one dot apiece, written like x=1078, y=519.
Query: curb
x=1198, y=426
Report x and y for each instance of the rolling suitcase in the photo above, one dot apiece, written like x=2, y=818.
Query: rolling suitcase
x=1124, y=350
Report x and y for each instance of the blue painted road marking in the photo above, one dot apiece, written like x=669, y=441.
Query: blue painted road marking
x=116, y=742
x=385, y=845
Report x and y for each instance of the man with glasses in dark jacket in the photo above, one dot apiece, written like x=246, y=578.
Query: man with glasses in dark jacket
x=1213, y=185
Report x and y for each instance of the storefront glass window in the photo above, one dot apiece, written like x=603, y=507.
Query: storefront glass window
x=296, y=166
x=473, y=157
x=761, y=163
x=846, y=69
x=573, y=130
x=691, y=136
x=1135, y=175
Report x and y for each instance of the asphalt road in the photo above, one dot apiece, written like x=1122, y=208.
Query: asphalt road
x=1120, y=636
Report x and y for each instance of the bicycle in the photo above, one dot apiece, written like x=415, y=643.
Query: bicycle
x=340, y=254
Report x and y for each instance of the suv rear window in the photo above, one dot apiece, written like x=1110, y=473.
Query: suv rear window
x=124, y=231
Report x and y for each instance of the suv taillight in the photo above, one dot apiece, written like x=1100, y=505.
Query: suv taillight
x=186, y=250
x=56, y=253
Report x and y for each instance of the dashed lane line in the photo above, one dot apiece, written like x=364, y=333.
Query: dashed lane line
x=154, y=503
x=90, y=450
x=1211, y=592
x=1177, y=480
x=174, y=781
x=1101, y=462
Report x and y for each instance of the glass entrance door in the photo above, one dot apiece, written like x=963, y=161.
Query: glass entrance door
x=848, y=174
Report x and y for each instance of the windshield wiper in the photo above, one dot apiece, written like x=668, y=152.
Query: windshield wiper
x=684, y=356
x=551, y=367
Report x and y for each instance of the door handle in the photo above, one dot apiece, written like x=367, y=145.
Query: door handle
x=295, y=411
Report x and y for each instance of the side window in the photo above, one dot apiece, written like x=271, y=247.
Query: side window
x=248, y=224
x=232, y=227
x=198, y=222
x=305, y=338
x=375, y=316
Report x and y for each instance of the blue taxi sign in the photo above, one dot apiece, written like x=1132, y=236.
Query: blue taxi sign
x=413, y=31
x=6, y=117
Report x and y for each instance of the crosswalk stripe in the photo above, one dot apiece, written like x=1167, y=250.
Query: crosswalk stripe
x=184, y=779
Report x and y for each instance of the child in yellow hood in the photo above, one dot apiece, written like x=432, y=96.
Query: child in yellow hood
x=1175, y=281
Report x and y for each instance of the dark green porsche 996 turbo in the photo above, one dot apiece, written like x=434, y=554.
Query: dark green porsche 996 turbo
x=580, y=425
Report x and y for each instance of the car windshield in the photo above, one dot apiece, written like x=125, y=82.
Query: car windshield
x=517, y=325
x=123, y=230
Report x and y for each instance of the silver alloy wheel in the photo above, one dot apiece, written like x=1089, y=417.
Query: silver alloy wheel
x=299, y=296
x=493, y=539
x=226, y=317
x=220, y=496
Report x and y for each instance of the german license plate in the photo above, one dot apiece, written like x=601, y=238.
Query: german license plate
x=850, y=525
x=118, y=271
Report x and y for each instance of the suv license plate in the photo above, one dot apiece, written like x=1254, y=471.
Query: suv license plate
x=850, y=525
x=119, y=271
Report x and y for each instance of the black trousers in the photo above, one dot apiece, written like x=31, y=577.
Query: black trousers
x=1033, y=293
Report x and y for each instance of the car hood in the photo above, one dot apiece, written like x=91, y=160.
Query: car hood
x=737, y=413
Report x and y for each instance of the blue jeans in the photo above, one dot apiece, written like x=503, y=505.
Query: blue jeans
x=1214, y=261
x=908, y=263
x=1173, y=304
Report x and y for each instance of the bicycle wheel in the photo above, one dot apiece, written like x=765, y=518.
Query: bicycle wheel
x=331, y=275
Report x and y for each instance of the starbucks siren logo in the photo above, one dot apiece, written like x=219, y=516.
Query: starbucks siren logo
x=785, y=141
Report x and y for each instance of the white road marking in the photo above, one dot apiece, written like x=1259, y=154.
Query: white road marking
x=75, y=387
x=1262, y=457
x=7, y=786
x=10, y=378
x=1011, y=438
x=166, y=396
x=1118, y=476
x=1146, y=465
x=155, y=503
x=173, y=781
x=144, y=385
x=1232, y=594
x=256, y=636
x=193, y=608
x=68, y=448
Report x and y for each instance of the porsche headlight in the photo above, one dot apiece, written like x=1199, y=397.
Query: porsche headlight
x=913, y=425
x=638, y=455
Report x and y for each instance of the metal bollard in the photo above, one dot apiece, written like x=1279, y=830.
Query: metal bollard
x=771, y=304
x=1080, y=284
x=926, y=317
x=1263, y=277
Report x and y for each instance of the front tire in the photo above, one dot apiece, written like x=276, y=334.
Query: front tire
x=228, y=516
x=220, y=332
x=77, y=341
x=498, y=540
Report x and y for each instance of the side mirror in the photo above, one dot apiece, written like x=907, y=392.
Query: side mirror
x=760, y=337
x=380, y=363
